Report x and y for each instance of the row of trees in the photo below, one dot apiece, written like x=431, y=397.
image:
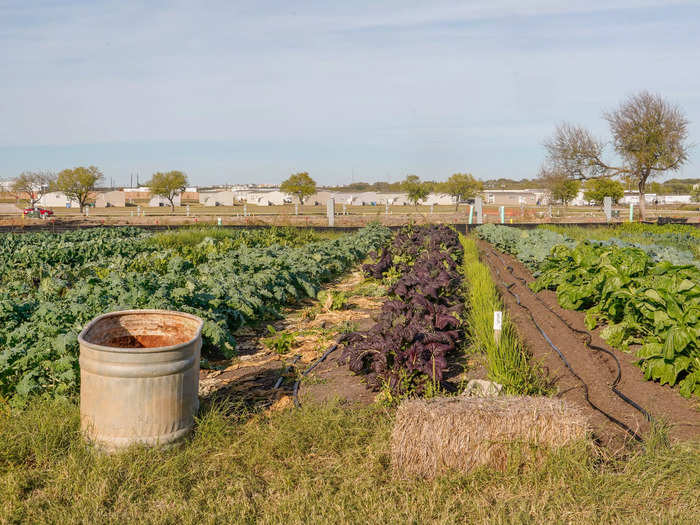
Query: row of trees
x=79, y=183
x=649, y=138
x=461, y=186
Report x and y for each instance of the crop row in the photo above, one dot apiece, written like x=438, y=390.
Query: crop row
x=646, y=305
x=44, y=308
x=405, y=352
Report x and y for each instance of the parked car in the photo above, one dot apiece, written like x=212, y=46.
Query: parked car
x=40, y=213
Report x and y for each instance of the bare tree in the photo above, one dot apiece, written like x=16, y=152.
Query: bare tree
x=649, y=135
x=32, y=186
x=575, y=153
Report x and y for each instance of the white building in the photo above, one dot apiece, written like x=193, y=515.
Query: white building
x=675, y=199
x=110, y=199
x=516, y=197
x=57, y=199
x=158, y=201
x=632, y=197
x=439, y=199
x=269, y=198
x=217, y=198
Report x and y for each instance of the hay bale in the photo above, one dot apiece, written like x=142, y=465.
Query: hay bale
x=431, y=436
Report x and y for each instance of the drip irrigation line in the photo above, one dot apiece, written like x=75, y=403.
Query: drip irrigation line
x=612, y=418
x=588, y=341
x=284, y=371
x=295, y=392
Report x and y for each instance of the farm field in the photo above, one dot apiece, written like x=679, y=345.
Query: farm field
x=316, y=215
x=53, y=284
x=413, y=315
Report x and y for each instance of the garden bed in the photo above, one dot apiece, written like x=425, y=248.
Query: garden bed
x=596, y=369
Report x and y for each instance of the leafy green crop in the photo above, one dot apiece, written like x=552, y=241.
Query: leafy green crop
x=643, y=297
x=53, y=284
x=653, y=305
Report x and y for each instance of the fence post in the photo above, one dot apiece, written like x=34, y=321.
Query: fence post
x=330, y=210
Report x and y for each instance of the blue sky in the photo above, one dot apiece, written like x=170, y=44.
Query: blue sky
x=236, y=92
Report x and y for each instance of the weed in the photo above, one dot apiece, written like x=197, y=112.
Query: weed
x=332, y=300
x=280, y=342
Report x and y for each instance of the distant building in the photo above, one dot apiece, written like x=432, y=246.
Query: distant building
x=157, y=201
x=137, y=194
x=217, y=198
x=110, y=199
x=675, y=199
x=632, y=197
x=190, y=194
x=439, y=199
x=516, y=197
x=57, y=199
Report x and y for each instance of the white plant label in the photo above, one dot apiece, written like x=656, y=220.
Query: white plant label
x=497, y=320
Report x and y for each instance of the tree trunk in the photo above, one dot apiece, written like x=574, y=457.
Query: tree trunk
x=642, y=200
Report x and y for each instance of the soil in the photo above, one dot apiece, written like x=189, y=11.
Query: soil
x=595, y=369
x=145, y=341
x=253, y=375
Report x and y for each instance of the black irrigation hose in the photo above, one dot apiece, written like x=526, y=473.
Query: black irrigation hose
x=284, y=371
x=588, y=341
x=295, y=393
x=612, y=418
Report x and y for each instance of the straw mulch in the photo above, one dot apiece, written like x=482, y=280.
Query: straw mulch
x=436, y=435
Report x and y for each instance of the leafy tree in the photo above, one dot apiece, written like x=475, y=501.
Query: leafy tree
x=416, y=190
x=649, y=134
x=597, y=189
x=168, y=185
x=561, y=187
x=462, y=186
x=32, y=186
x=300, y=185
x=78, y=183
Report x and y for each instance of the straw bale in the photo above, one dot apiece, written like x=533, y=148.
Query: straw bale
x=432, y=436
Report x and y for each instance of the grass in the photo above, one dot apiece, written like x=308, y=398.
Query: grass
x=508, y=361
x=320, y=464
x=285, y=236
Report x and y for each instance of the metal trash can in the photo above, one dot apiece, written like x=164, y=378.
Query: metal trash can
x=139, y=377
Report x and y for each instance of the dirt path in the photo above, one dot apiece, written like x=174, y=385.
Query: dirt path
x=253, y=377
x=596, y=369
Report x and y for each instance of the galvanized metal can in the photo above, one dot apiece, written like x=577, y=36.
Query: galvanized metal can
x=139, y=377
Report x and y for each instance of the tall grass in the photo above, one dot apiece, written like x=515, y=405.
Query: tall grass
x=319, y=464
x=508, y=360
